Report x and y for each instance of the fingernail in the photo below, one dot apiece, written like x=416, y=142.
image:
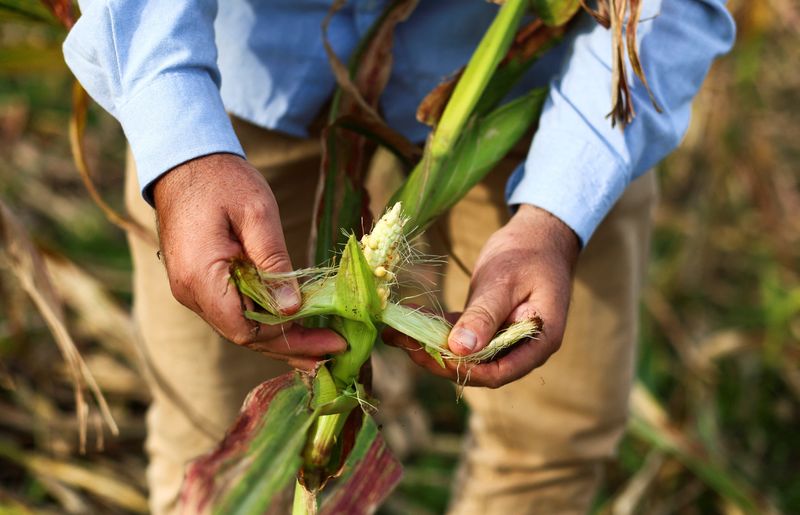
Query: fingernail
x=286, y=297
x=465, y=338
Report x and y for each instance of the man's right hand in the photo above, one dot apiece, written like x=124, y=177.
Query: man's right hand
x=215, y=208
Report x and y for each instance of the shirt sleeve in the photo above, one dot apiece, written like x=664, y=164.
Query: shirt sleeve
x=578, y=165
x=152, y=65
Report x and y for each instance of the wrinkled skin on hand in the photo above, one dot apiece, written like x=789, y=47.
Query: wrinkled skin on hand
x=525, y=269
x=215, y=208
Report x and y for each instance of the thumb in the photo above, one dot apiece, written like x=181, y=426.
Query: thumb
x=261, y=237
x=487, y=309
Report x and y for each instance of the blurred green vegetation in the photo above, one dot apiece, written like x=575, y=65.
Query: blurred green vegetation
x=717, y=409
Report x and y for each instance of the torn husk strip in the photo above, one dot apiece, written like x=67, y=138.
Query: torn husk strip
x=317, y=293
x=431, y=331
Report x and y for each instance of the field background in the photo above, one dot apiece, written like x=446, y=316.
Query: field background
x=715, y=424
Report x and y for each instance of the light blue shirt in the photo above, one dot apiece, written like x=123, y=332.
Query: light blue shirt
x=171, y=70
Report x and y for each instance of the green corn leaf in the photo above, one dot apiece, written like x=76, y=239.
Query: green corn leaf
x=484, y=144
x=369, y=474
x=429, y=192
x=259, y=456
x=275, y=453
x=476, y=76
x=522, y=55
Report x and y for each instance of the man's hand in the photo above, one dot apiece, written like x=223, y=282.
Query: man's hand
x=524, y=270
x=213, y=209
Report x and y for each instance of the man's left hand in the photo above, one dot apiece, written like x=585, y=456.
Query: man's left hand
x=524, y=270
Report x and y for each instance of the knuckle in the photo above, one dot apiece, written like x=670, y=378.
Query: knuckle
x=274, y=262
x=257, y=212
x=482, y=315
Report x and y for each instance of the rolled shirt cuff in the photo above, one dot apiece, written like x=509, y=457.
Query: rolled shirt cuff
x=577, y=180
x=177, y=117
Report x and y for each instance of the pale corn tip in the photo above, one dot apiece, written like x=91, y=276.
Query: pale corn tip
x=379, y=245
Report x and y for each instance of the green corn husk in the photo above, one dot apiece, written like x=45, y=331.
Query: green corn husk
x=428, y=329
x=317, y=293
x=327, y=427
x=357, y=298
x=431, y=331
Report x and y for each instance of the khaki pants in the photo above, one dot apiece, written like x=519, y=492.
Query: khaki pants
x=534, y=446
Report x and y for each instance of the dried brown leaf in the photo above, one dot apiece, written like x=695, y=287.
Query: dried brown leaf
x=432, y=106
x=77, y=124
x=600, y=14
x=633, y=48
x=622, y=110
x=340, y=71
x=389, y=138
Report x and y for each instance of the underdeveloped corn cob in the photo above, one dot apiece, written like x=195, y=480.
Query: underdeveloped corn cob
x=381, y=247
x=432, y=331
